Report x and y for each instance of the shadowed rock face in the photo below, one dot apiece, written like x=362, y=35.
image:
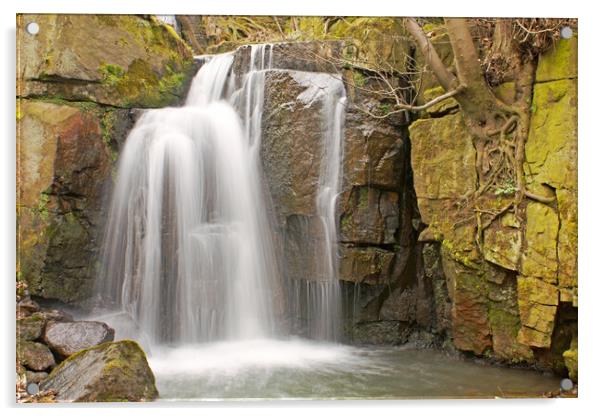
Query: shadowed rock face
x=115, y=371
x=63, y=168
x=67, y=338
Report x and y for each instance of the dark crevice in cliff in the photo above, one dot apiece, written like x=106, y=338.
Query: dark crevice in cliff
x=63, y=100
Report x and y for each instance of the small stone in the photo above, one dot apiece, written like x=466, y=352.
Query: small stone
x=57, y=315
x=26, y=307
x=31, y=328
x=34, y=355
x=36, y=376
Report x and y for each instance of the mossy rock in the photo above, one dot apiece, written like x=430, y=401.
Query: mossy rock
x=571, y=360
x=442, y=107
x=539, y=258
x=558, y=62
x=118, y=60
x=31, y=327
x=110, y=372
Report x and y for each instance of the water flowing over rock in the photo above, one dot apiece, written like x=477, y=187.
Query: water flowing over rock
x=67, y=338
x=116, y=371
x=74, y=109
x=197, y=261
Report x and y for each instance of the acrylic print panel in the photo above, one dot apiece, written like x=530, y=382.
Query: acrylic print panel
x=240, y=207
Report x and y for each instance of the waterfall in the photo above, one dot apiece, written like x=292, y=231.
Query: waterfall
x=317, y=300
x=326, y=301
x=187, y=252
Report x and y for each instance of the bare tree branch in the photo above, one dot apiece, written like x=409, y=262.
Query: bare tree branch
x=407, y=107
x=447, y=80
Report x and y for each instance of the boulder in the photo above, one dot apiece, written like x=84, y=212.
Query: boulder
x=308, y=56
x=441, y=108
x=34, y=355
x=444, y=172
x=374, y=149
x=113, y=371
x=469, y=314
x=31, y=327
x=67, y=338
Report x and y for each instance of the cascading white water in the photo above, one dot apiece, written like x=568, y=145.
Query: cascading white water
x=327, y=297
x=317, y=300
x=187, y=253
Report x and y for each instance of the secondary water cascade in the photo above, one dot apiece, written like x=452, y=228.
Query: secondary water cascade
x=188, y=252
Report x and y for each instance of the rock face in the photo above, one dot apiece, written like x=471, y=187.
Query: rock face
x=67, y=338
x=63, y=166
x=114, y=371
x=512, y=287
x=72, y=116
x=375, y=207
x=125, y=61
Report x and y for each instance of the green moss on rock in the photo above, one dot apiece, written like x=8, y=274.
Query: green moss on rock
x=110, y=372
x=571, y=360
x=125, y=61
x=559, y=62
x=30, y=328
x=539, y=257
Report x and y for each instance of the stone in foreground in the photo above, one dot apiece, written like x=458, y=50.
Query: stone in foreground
x=67, y=338
x=110, y=372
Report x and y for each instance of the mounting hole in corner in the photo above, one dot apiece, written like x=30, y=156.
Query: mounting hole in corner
x=566, y=384
x=32, y=28
x=33, y=388
x=566, y=32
